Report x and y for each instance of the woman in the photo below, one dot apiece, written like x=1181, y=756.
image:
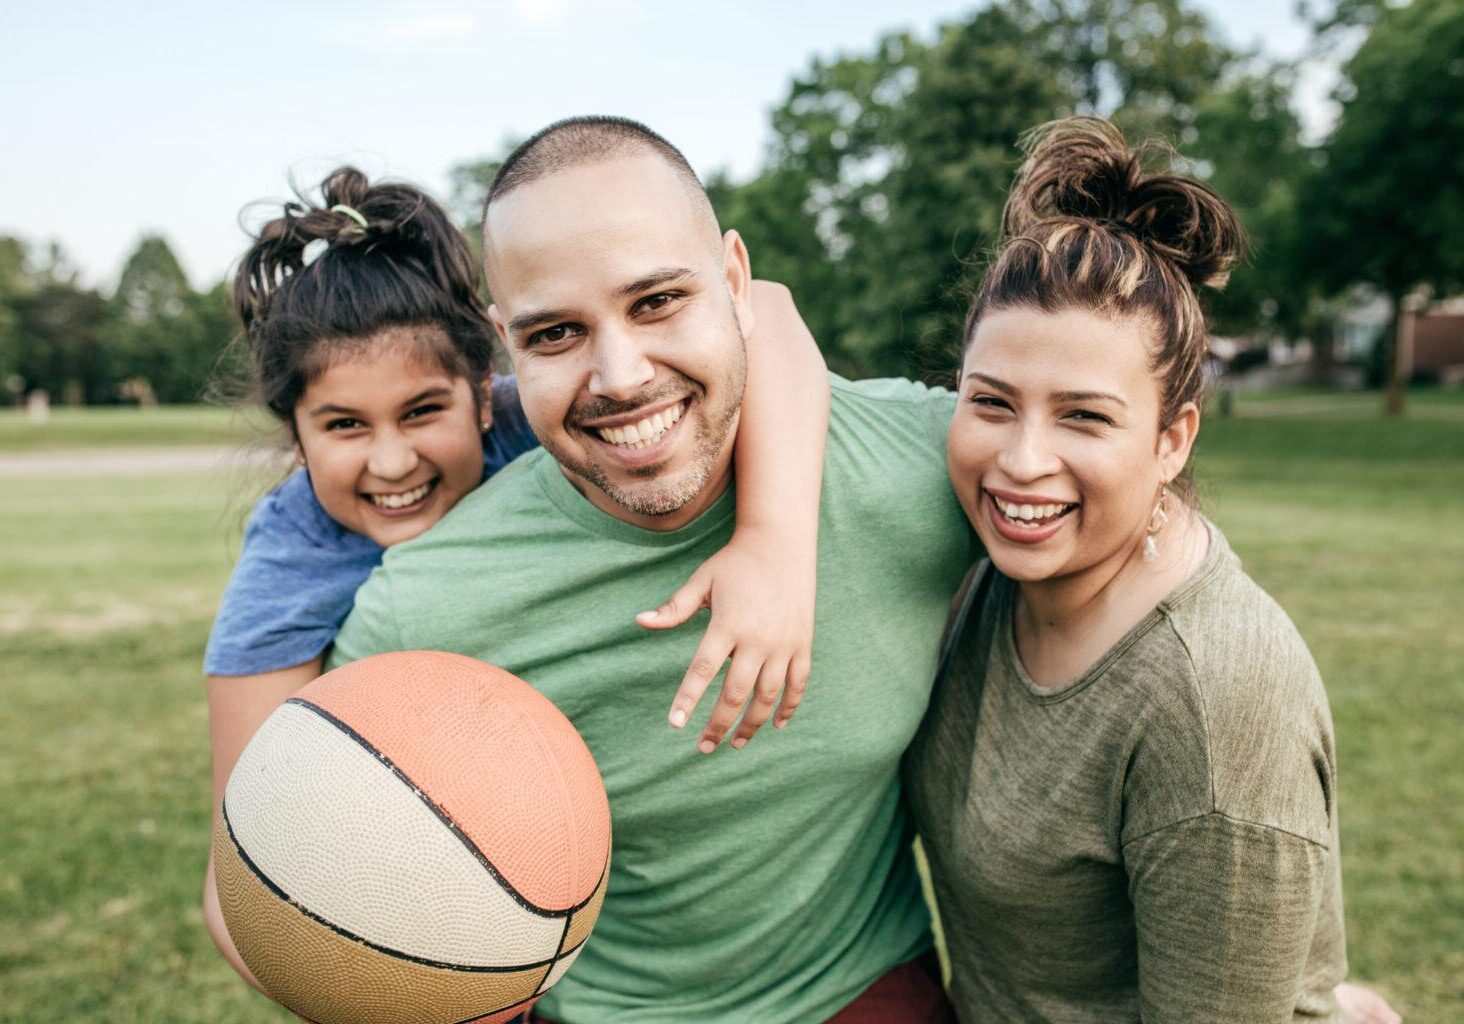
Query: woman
x=1126, y=783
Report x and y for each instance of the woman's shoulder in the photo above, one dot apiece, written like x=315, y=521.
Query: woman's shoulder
x=1257, y=710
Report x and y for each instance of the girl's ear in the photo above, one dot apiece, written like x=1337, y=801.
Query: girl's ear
x=299, y=454
x=1177, y=439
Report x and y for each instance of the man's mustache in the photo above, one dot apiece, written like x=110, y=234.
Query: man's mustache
x=603, y=408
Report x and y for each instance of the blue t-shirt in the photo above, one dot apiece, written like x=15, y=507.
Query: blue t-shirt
x=298, y=572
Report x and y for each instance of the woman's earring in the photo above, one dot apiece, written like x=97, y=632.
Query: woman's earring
x=484, y=427
x=1157, y=519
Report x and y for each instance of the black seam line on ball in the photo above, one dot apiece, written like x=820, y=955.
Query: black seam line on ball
x=502, y=1009
x=432, y=806
x=347, y=934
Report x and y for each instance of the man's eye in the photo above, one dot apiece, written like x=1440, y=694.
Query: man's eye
x=656, y=303
x=553, y=335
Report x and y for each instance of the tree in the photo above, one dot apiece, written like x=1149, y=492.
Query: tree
x=1387, y=206
x=1248, y=141
x=889, y=169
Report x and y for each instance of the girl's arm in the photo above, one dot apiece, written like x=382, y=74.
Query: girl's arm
x=237, y=707
x=761, y=586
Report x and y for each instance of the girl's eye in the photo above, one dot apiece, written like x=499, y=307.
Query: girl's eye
x=423, y=410
x=344, y=423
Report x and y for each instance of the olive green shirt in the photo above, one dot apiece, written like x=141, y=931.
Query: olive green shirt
x=1155, y=840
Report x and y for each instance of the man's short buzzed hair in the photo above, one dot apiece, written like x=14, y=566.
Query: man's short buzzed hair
x=583, y=140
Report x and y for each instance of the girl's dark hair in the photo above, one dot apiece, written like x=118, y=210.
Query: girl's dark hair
x=407, y=267
x=1087, y=227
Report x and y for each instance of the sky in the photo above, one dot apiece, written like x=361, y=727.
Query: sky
x=118, y=120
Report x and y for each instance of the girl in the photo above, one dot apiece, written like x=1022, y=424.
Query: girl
x=375, y=356
x=1126, y=784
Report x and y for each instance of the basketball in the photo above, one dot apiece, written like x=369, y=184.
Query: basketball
x=414, y=837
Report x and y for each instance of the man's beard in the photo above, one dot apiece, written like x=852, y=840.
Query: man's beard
x=658, y=494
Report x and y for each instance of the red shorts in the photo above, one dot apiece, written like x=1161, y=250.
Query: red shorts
x=909, y=994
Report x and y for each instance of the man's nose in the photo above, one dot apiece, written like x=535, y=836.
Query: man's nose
x=622, y=367
x=392, y=456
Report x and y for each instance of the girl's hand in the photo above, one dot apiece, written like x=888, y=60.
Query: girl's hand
x=760, y=589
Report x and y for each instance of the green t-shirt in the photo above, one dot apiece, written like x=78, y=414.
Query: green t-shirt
x=1154, y=840
x=768, y=884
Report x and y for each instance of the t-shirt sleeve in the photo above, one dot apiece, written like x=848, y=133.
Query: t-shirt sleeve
x=511, y=435
x=372, y=626
x=1227, y=913
x=292, y=587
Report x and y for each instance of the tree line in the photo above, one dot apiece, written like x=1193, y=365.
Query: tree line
x=881, y=191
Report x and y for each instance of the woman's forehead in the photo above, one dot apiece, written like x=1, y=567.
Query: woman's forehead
x=1069, y=350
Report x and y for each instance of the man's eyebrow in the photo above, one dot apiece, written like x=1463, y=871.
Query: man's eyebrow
x=655, y=279
x=534, y=318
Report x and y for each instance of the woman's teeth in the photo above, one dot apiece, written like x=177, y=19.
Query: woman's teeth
x=644, y=433
x=401, y=500
x=1029, y=513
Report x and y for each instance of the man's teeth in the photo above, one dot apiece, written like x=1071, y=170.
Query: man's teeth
x=644, y=433
x=1028, y=513
x=401, y=500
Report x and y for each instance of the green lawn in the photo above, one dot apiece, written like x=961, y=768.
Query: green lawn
x=1353, y=523
x=130, y=427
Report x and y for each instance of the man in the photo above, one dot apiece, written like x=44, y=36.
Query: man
x=774, y=884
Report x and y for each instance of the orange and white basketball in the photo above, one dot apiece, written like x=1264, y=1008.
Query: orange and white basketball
x=414, y=837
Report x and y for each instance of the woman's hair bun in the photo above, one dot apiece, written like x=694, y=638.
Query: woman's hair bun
x=1082, y=168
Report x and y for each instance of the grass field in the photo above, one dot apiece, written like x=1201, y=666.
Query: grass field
x=107, y=586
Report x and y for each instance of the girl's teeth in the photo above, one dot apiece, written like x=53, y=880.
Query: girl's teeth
x=401, y=500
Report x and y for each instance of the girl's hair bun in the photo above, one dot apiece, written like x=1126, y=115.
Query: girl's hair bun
x=1081, y=168
x=400, y=222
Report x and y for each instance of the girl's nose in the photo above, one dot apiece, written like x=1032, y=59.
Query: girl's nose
x=392, y=456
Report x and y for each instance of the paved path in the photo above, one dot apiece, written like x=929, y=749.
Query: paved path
x=137, y=461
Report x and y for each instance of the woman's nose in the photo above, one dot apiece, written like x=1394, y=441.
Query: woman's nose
x=1028, y=456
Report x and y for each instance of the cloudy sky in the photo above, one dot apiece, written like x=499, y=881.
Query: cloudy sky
x=120, y=119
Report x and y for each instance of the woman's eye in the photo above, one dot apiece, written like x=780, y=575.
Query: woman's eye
x=1088, y=416
x=988, y=402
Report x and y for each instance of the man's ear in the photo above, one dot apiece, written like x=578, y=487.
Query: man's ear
x=737, y=270
x=1176, y=440
x=498, y=326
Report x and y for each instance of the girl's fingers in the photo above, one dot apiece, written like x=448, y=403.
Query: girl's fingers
x=690, y=598
x=770, y=683
x=798, y=670
x=736, y=688
x=705, y=664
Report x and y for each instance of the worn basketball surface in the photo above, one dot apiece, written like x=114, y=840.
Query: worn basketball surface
x=414, y=837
